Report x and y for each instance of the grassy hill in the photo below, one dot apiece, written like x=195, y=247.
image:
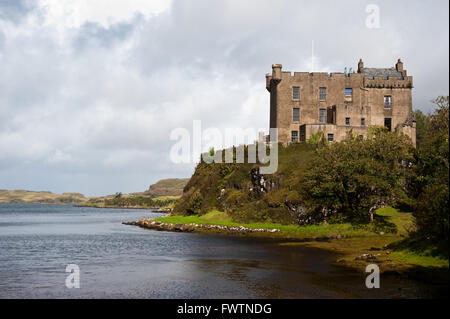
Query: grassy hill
x=23, y=196
x=244, y=194
x=167, y=187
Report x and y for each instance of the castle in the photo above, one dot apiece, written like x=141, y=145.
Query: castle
x=306, y=103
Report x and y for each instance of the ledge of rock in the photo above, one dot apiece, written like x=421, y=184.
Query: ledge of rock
x=156, y=225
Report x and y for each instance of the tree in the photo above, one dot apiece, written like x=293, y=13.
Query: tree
x=422, y=127
x=431, y=210
x=355, y=177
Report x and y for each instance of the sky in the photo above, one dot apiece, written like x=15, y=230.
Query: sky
x=90, y=91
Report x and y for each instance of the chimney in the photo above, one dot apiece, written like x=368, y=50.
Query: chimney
x=399, y=66
x=360, y=65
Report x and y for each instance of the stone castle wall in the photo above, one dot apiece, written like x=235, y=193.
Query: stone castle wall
x=366, y=101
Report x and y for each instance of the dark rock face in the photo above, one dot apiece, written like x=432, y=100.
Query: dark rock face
x=305, y=217
x=262, y=185
x=259, y=182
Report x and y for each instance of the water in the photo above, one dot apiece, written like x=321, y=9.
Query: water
x=37, y=242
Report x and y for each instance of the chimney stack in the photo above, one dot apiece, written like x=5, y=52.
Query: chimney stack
x=360, y=65
x=399, y=65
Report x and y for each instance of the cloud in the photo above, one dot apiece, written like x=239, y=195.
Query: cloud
x=74, y=13
x=15, y=10
x=91, y=90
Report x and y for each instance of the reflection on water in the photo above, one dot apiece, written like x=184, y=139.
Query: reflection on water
x=119, y=261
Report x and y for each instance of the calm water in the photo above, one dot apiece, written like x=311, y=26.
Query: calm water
x=119, y=261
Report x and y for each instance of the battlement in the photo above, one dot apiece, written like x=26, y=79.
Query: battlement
x=394, y=77
x=390, y=82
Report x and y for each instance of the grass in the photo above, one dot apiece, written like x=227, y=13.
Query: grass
x=167, y=187
x=365, y=239
x=299, y=232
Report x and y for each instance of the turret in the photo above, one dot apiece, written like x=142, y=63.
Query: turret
x=276, y=72
x=268, y=79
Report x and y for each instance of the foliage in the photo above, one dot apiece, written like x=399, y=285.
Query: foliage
x=356, y=177
x=316, y=138
x=432, y=176
x=422, y=127
x=195, y=203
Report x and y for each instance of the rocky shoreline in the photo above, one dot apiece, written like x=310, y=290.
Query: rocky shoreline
x=153, y=224
x=150, y=223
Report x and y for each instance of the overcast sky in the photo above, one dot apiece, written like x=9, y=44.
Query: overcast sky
x=90, y=90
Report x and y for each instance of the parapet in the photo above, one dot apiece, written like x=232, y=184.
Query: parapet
x=370, y=77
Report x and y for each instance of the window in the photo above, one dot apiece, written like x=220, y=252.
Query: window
x=296, y=115
x=388, y=102
x=348, y=95
x=302, y=133
x=388, y=123
x=322, y=94
x=363, y=121
x=294, y=136
x=322, y=115
x=296, y=93
x=347, y=121
x=330, y=137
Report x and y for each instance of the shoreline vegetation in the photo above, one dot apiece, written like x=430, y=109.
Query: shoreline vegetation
x=158, y=204
x=356, y=245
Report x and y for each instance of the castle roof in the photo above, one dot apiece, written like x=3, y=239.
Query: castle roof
x=382, y=72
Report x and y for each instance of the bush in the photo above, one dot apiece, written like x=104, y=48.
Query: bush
x=195, y=204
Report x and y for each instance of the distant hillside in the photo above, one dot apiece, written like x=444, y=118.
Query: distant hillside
x=22, y=196
x=167, y=187
x=163, y=190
